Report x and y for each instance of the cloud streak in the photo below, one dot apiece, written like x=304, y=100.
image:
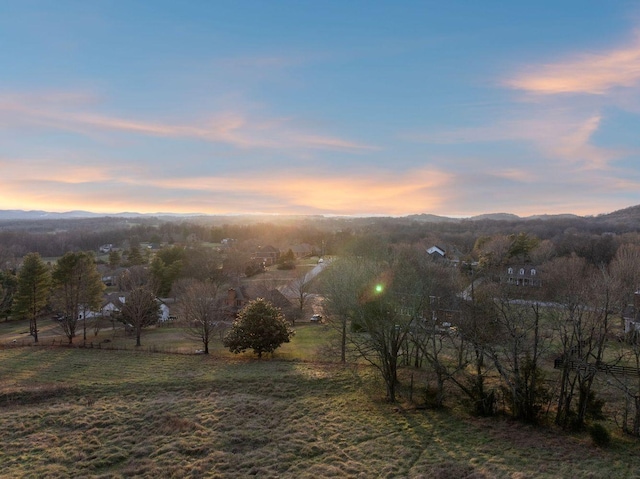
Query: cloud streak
x=235, y=129
x=590, y=73
x=556, y=133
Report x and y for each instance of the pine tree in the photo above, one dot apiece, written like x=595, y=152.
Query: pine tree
x=34, y=285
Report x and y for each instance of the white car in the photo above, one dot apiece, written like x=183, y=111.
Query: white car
x=316, y=318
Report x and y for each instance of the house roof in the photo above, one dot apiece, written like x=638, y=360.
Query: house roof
x=278, y=299
x=302, y=248
x=436, y=249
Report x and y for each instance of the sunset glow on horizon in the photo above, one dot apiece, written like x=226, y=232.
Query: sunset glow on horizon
x=330, y=108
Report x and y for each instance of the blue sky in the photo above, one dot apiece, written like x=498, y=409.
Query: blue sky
x=339, y=108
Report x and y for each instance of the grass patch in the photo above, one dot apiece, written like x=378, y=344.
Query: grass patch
x=97, y=413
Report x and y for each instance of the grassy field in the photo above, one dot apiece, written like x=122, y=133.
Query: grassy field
x=310, y=340
x=109, y=414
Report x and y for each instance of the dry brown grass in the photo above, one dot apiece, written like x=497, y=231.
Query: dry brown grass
x=112, y=414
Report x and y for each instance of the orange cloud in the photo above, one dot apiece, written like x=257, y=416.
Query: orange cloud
x=346, y=194
x=594, y=73
x=62, y=172
x=393, y=194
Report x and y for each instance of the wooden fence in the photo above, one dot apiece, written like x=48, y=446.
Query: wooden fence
x=613, y=369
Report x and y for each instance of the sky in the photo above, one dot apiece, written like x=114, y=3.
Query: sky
x=364, y=108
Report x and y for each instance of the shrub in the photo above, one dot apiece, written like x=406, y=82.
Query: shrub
x=600, y=435
x=260, y=326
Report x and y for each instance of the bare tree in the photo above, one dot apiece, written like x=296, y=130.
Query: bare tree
x=380, y=332
x=342, y=283
x=515, y=351
x=300, y=290
x=628, y=383
x=235, y=263
x=205, y=311
x=77, y=290
x=582, y=318
x=141, y=309
x=133, y=277
x=625, y=267
x=476, y=331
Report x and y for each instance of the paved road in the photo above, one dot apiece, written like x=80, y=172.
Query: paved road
x=292, y=290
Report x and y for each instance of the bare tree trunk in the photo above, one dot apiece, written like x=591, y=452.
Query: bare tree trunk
x=343, y=344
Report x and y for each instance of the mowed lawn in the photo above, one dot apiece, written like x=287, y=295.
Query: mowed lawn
x=67, y=412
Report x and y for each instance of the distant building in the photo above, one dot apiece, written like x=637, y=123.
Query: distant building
x=631, y=315
x=436, y=252
x=267, y=255
x=237, y=298
x=302, y=250
x=522, y=276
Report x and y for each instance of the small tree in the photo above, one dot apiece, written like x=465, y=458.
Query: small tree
x=141, y=309
x=379, y=334
x=287, y=260
x=300, y=289
x=34, y=286
x=260, y=326
x=204, y=310
x=114, y=259
x=135, y=256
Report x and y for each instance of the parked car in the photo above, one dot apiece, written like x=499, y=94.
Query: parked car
x=316, y=318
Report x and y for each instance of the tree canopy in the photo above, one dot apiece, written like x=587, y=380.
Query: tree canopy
x=260, y=326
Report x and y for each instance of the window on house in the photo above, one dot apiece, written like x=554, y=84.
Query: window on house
x=533, y=272
x=510, y=271
x=521, y=270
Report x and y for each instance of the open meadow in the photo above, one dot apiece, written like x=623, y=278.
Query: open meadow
x=77, y=412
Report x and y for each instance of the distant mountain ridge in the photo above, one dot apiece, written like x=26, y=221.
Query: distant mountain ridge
x=426, y=218
x=44, y=215
x=631, y=213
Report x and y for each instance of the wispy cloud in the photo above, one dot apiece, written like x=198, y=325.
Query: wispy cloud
x=61, y=171
x=593, y=73
x=112, y=187
x=556, y=133
x=236, y=129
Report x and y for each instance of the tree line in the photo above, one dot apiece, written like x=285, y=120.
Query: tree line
x=496, y=344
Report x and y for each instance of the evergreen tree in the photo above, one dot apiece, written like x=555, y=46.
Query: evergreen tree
x=34, y=285
x=114, y=259
x=135, y=256
x=260, y=326
x=8, y=288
